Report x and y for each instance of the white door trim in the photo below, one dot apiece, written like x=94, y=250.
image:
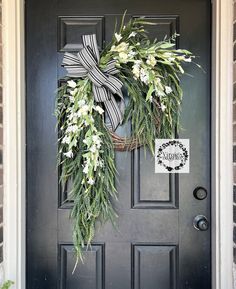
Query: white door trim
x=14, y=143
x=222, y=180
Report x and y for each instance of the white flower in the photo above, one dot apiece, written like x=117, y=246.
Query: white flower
x=85, y=141
x=163, y=107
x=85, y=170
x=71, y=83
x=131, y=54
x=132, y=34
x=72, y=128
x=86, y=123
x=121, y=47
x=84, y=110
x=99, y=109
x=66, y=139
x=160, y=93
x=123, y=57
x=118, y=37
x=136, y=70
x=144, y=76
x=93, y=149
x=96, y=139
x=181, y=58
x=189, y=59
x=91, y=181
x=168, y=89
x=69, y=154
x=171, y=59
x=71, y=98
x=81, y=102
x=113, y=48
x=151, y=60
x=137, y=62
x=73, y=91
x=101, y=163
x=167, y=54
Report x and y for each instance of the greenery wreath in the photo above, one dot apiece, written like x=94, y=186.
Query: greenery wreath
x=148, y=73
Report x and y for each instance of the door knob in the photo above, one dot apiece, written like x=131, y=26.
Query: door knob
x=201, y=223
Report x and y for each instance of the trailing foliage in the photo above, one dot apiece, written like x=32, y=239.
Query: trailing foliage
x=89, y=163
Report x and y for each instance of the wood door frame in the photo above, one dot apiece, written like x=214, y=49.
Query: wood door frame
x=15, y=155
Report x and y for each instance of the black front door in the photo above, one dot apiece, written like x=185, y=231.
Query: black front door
x=156, y=246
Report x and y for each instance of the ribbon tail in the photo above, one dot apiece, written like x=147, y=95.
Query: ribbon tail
x=114, y=85
x=122, y=107
x=114, y=112
x=100, y=93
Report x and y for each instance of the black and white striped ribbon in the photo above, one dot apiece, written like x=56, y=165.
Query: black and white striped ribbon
x=105, y=84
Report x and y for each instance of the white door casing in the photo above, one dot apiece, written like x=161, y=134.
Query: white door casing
x=14, y=143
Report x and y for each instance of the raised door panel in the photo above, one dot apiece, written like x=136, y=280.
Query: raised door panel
x=154, y=266
x=86, y=275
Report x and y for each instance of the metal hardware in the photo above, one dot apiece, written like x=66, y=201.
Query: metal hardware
x=201, y=223
x=200, y=193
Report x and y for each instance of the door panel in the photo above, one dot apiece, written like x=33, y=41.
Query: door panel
x=154, y=264
x=91, y=272
x=155, y=245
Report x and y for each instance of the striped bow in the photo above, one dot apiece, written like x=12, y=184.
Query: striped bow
x=85, y=63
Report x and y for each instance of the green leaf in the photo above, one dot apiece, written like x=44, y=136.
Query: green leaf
x=150, y=91
x=166, y=45
x=7, y=284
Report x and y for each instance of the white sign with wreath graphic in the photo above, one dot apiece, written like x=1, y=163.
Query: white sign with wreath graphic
x=172, y=156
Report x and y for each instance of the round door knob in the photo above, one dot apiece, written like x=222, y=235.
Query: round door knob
x=201, y=223
x=200, y=193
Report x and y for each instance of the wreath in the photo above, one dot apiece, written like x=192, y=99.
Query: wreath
x=131, y=80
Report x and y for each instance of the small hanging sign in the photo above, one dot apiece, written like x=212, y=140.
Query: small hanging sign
x=172, y=156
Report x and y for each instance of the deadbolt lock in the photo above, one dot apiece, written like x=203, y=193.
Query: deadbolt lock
x=200, y=193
